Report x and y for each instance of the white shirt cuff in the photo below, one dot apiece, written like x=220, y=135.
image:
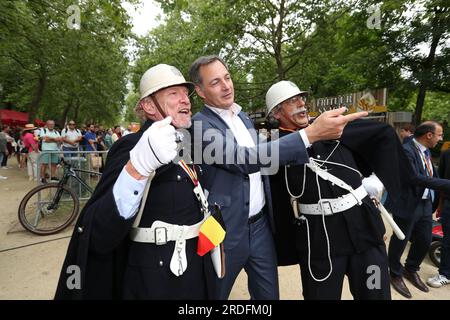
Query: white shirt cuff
x=305, y=138
x=128, y=194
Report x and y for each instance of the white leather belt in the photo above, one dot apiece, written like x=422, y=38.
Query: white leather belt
x=332, y=206
x=161, y=232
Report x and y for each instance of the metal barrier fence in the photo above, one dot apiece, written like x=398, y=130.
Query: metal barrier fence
x=82, y=160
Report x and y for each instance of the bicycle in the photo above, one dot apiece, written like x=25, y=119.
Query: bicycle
x=56, y=205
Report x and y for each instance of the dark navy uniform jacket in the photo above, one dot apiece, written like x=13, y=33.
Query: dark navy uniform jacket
x=366, y=146
x=114, y=267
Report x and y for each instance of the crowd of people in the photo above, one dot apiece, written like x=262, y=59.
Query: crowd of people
x=139, y=235
x=27, y=142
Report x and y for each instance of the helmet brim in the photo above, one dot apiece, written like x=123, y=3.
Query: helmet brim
x=189, y=85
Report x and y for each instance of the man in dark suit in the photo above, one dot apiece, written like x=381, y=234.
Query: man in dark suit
x=416, y=224
x=235, y=179
x=150, y=254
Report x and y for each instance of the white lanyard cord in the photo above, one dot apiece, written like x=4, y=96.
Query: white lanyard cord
x=316, y=162
x=287, y=183
x=336, y=164
x=332, y=151
x=328, y=241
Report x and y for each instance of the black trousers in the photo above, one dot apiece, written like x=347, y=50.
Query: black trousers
x=367, y=274
x=417, y=229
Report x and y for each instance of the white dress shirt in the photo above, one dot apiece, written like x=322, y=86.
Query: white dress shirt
x=128, y=193
x=244, y=139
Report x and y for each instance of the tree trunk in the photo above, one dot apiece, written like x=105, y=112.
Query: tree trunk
x=277, y=43
x=77, y=109
x=426, y=74
x=419, y=103
x=37, y=97
x=63, y=119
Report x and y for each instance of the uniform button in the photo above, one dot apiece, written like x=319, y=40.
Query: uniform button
x=246, y=178
x=178, y=178
x=318, y=156
x=135, y=192
x=161, y=263
x=80, y=229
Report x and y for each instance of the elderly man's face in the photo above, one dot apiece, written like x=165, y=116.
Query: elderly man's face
x=217, y=88
x=292, y=113
x=51, y=124
x=175, y=103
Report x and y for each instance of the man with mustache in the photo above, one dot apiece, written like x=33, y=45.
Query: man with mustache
x=150, y=254
x=235, y=179
x=324, y=218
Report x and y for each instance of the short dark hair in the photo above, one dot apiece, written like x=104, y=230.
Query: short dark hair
x=194, y=70
x=408, y=127
x=425, y=127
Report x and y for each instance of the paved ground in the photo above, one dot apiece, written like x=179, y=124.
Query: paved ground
x=30, y=265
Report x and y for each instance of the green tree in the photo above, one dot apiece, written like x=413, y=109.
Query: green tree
x=65, y=72
x=418, y=34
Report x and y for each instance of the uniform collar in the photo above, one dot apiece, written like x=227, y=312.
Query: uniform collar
x=286, y=129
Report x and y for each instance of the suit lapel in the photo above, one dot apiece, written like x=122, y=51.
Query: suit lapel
x=218, y=121
x=248, y=124
x=416, y=151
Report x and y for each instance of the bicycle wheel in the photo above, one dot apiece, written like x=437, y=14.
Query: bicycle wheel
x=48, y=209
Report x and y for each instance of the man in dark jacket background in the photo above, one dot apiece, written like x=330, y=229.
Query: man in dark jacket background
x=417, y=223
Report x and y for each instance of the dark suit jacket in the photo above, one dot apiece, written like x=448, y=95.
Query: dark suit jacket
x=419, y=181
x=228, y=183
x=444, y=169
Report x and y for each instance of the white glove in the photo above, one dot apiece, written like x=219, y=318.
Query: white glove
x=156, y=147
x=373, y=186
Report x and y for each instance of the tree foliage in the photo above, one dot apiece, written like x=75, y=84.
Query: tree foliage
x=326, y=47
x=54, y=68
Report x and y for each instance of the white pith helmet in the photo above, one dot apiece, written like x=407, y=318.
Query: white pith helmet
x=279, y=92
x=162, y=76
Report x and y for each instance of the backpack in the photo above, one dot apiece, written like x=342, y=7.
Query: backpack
x=64, y=131
x=40, y=136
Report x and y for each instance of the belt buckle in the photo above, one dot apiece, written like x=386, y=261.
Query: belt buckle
x=160, y=236
x=322, y=202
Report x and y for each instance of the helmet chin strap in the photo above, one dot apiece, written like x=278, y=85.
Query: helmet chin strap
x=178, y=134
x=158, y=106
